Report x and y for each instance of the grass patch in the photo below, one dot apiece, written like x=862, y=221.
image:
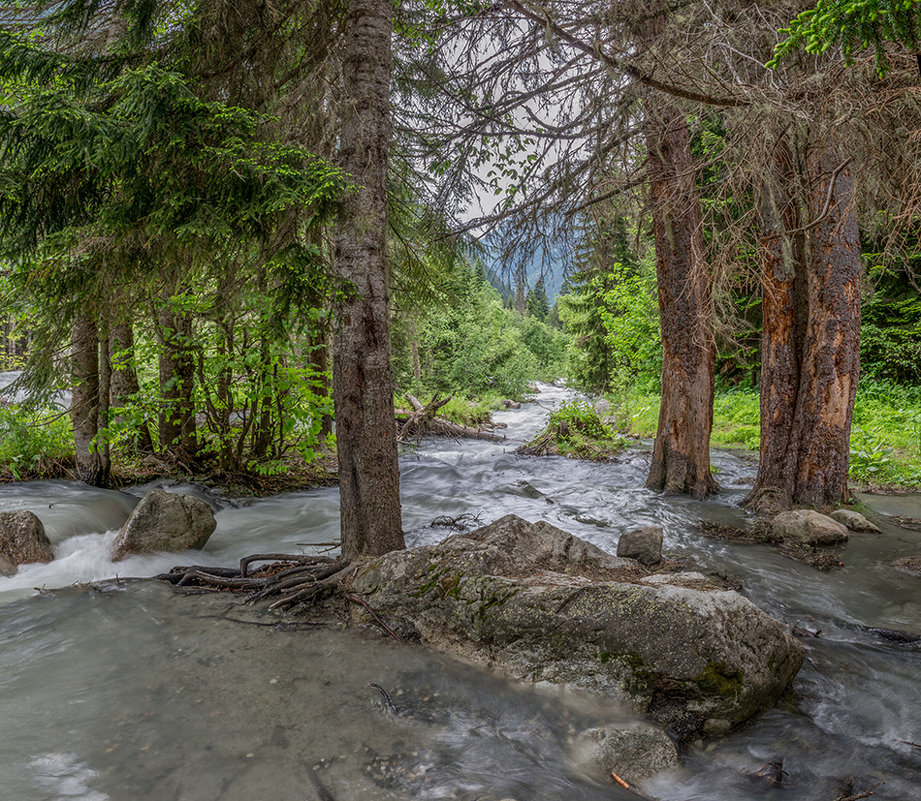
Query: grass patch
x=885, y=434
x=576, y=431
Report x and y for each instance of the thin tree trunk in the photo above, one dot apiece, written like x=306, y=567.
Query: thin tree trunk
x=369, y=479
x=681, y=454
x=178, y=434
x=521, y=300
x=124, y=381
x=105, y=389
x=811, y=341
x=92, y=466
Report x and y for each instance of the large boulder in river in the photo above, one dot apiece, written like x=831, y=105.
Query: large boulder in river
x=165, y=521
x=807, y=527
x=22, y=540
x=547, y=606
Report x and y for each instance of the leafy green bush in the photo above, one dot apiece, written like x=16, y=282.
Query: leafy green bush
x=575, y=430
x=34, y=444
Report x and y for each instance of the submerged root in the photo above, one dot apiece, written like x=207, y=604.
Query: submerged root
x=290, y=581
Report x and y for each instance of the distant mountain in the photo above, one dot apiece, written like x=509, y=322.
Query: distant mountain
x=548, y=265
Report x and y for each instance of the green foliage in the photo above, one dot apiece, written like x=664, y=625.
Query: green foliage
x=611, y=312
x=471, y=411
x=852, y=25
x=33, y=442
x=536, y=303
x=465, y=342
x=576, y=431
x=890, y=336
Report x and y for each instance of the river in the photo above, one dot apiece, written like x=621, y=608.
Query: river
x=124, y=691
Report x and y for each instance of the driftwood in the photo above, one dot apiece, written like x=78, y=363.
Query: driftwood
x=422, y=420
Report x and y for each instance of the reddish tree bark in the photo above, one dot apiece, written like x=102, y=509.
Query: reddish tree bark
x=681, y=454
x=369, y=480
x=811, y=335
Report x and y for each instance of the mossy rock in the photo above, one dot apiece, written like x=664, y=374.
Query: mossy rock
x=546, y=606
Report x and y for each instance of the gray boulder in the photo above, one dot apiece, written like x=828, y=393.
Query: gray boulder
x=7, y=568
x=165, y=521
x=807, y=527
x=643, y=544
x=634, y=752
x=23, y=539
x=854, y=521
x=546, y=606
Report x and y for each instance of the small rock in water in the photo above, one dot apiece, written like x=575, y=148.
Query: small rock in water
x=909, y=564
x=807, y=527
x=7, y=568
x=643, y=544
x=854, y=521
x=165, y=521
x=633, y=752
x=22, y=541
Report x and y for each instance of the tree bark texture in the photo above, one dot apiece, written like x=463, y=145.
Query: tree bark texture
x=681, y=454
x=811, y=335
x=369, y=480
x=92, y=465
x=178, y=433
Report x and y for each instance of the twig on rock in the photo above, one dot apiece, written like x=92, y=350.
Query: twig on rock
x=374, y=615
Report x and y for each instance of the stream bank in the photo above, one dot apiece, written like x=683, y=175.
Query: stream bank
x=80, y=668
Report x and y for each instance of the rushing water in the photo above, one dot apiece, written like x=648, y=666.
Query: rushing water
x=124, y=691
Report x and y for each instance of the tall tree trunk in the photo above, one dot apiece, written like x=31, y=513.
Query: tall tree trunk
x=92, y=465
x=369, y=479
x=681, y=454
x=811, y=336
x=178, y=435
x=521, y=299
x=105, y=389
x=124, y=380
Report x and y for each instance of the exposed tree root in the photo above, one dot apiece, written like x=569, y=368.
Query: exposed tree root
x=423, y=421
x=290, y=580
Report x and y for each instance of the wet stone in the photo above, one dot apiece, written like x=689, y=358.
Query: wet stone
x=633, y=752
x=165, y=521
x=548, y=607
x=22, y=540
x=807, y=527
x=643, y=544
x=854, y=521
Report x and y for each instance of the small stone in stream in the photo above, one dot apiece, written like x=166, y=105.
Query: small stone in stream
x=909, y=564
x=633, y=752
x=854, y=521
x=7, y=568
x=807, y=527
x=508, y=403
x=23, y=539
x=165, y=521
x=643, y=544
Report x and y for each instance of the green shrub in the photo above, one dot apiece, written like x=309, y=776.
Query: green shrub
x=31, y=442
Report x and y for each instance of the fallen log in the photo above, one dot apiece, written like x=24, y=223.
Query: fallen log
x=423, y=421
